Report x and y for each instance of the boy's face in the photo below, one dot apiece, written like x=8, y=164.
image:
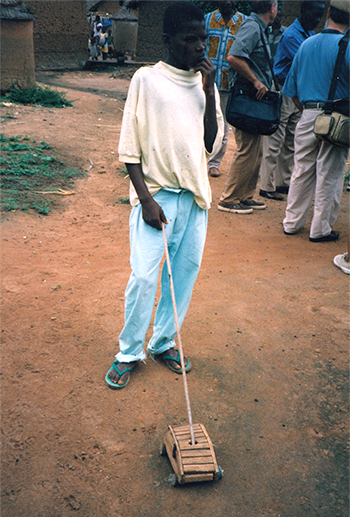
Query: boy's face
x=186, y=49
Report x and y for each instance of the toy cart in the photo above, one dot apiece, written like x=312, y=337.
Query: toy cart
x=191, y=463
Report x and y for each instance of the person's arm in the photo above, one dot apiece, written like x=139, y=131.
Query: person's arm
x=298, y=103
x=240, y=65
x=152, y=213
x=207, y=70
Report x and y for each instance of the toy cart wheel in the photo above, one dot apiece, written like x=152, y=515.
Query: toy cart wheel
x=219, y=474
x=173, y=480
x=163, y=450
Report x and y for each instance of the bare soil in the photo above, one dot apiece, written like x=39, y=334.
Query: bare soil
x=267, y=333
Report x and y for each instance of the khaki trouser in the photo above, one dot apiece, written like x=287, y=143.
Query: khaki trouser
x=318, y=172
x=243, y=174
x=215, y=161
x=278, y=149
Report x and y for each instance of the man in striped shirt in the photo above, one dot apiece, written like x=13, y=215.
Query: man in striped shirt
x=221, y=26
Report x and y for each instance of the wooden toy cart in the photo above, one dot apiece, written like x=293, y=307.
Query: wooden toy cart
x=191, y=463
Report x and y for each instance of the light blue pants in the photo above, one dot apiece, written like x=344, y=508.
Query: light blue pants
x=186, y=233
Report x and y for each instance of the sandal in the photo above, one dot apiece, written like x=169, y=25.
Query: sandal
x=176, y=359
x=113, y=385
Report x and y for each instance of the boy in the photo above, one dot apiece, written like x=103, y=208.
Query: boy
x=172, y=122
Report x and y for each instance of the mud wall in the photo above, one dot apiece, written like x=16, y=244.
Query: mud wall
x=17, y=54
x=149, y=46
x=60, y=33
x=108, y=6
x=149, y=43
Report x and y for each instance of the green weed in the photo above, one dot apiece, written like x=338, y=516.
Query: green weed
x=8, y=116
x=123, y=200
x=123, y=170
x=28, y=171
x=39, y=96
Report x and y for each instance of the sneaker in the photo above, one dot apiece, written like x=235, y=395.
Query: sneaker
x=235, y=209
x=339, y=261
x=255, y=205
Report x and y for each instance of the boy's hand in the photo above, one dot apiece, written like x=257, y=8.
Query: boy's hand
x=153, y=214
x=207, y=69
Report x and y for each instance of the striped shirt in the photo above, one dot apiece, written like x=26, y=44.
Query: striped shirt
x=220, y=38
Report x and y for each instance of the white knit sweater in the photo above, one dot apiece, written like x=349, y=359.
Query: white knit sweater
x=163, y=129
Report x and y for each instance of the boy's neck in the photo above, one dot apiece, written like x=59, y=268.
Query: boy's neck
x=170, y=62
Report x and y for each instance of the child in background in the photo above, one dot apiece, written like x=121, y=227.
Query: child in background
x=172, y=123
x=110, y=43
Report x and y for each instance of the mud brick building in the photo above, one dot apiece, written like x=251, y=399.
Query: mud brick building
x=149, y=42
x=17, y=51
x=103, y=6
x=60, y=33
x=61, y=30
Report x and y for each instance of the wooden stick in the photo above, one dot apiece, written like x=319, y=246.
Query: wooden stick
x=182, y=360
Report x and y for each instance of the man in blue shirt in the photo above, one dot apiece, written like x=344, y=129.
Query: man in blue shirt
x=318, y=166
x=221, y=26
x=278, y=149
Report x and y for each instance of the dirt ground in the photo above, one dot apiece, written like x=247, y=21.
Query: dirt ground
x=267, y=333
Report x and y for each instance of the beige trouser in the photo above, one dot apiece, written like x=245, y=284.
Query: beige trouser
x=278, y=149
x=243, y=174
x=318, y=172
x=215, y=161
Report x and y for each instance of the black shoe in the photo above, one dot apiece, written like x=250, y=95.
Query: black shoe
x=333, y=236
x=271, y=195
x=282, y=190
x=255, y=205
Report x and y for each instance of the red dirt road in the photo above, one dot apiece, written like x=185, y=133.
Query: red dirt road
x=267, y=333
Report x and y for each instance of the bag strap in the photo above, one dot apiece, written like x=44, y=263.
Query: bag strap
x=343, y=45
x=268, y=55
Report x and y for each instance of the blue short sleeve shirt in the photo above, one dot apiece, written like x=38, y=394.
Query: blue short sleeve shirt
x=288, y=46
x=311, y=73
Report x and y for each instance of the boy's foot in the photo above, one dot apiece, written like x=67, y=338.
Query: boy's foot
x=171, y=358
x=118, y=375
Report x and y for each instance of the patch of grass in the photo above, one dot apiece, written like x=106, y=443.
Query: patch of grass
x=38, y=95
x=123, y=200
x=123, y=170
x=8, y=116
x=27, y=171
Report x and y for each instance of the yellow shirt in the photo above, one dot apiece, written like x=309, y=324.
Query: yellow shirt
x=163, y=129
